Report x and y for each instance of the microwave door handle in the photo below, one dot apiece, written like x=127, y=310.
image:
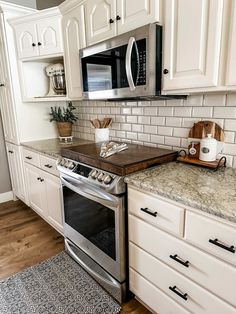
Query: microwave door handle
x=131, y=43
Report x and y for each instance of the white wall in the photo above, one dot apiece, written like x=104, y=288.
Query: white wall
x=26, y=3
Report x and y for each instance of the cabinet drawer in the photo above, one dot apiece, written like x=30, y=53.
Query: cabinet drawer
x=187, y=293
x=203, y=268
x=152, y=296
x=215, y=237
x=49, y=164
x=156, y=211
x=31, y=157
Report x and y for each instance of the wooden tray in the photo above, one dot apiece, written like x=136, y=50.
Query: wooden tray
x=209, y=164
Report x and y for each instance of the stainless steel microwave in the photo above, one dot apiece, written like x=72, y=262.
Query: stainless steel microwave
x=124, y=67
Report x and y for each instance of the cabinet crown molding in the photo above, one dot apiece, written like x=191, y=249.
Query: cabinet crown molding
x=4, y=6
x=47, y=13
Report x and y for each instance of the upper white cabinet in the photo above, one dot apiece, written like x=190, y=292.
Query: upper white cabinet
x=100, y=20
x=192, y=38
x=230, y=61
x=134, y=14
x=39, y=34
x=108, y=18
x=74, y=39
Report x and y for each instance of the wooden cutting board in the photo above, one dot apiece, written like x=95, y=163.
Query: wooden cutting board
x=202, y=128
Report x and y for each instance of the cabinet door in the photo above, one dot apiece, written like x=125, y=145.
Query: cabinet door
x=6, y=100
x=49, y=36
x=35, y=189
x=100, y=20
x=74, y=39
x=134, y=14
x=192, y=35
x=53, y=200
x=26, y=40
x=230, y=78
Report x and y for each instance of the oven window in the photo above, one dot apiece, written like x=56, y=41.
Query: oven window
x=92, y=220
x=107, y=70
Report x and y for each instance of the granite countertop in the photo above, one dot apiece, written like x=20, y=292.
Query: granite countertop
x=199, y=188
x=52, y=147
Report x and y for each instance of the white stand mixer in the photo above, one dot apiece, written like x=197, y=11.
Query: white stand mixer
x=56, y=75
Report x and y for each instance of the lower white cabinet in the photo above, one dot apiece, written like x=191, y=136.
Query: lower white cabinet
x=44, y=192
x=183, y=272
x=16, y=170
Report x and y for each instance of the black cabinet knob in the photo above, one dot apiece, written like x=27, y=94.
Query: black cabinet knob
x=33, y=44
x=1, y=85
x=118, y=18
x=165, y=71
x=111, y=21
x=10, y=151
x=39, y=44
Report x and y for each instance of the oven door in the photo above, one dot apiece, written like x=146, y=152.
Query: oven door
x=95, y=221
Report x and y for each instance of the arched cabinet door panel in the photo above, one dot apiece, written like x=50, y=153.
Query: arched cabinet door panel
x=74, y=39
x=100, y=20
x=26, y=39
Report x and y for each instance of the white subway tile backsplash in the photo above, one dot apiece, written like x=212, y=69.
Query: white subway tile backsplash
x=172, y=121
x=227, y=112
x=165, y=130
x=202, y=112
x=166, y=111
x=163, y=124
x=182, y=111
x=214, y=100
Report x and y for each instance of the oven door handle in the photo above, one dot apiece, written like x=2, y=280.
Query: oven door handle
x=128, y=60
x=90, y=192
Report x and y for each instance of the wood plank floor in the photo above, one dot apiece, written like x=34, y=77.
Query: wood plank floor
x=26, y=239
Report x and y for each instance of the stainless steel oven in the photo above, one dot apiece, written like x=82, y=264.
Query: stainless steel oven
x=126, y=66
x=94, y=223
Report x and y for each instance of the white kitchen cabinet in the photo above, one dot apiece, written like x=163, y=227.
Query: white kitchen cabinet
x=74, y=39
x=39, y=34
x=108, y=18
x=44, y=193
x=192, y=38
x=134, y=14
x=16, y=170
x=100, y=20
x=177, y=263
x=230, y=77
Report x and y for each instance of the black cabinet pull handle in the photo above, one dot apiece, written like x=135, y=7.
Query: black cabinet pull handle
x=146, y=210
x=28, y=157
x=39, y=43
x=177, y=259
x=48, y=166
x=182, y=295
x=33, y=44
x=111, y=21
x=225, y=247
x=118, y=18
x=165, y=71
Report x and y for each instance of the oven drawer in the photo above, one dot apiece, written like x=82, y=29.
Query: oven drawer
x=203, y=268
x=203, y=232
x=152, y=296
x=31, y=157
x=49, y=164
x=187, y=293
x=156, y=211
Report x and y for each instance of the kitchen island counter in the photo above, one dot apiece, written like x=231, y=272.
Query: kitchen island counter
x=196, y=187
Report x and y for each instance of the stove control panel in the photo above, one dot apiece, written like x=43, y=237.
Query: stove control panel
x=94, y=175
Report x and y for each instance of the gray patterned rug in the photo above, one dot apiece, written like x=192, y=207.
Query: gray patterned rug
x=57, y=285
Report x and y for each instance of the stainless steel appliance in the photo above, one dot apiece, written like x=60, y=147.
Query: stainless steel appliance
x=127, y=66
x=95, y=223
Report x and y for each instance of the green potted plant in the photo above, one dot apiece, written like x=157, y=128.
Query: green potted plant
x=64, y=117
